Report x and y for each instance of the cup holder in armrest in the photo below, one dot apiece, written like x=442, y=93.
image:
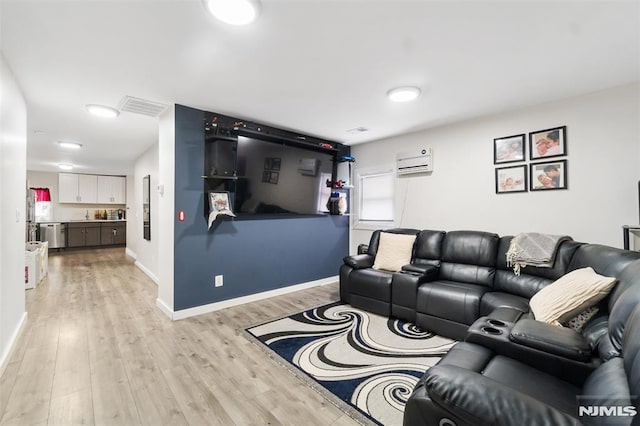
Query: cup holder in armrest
x=490, y=330
x=496, y=323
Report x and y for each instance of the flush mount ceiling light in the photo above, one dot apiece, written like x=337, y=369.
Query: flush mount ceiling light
x=102, y=111
x=403, y=94
x=69, y=145
x=65, y=166
x=234, y=12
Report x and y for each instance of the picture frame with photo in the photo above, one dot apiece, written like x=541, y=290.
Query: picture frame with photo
x=511, y=179
x=548, y=175
x=274, y=178
x=270, y=177
x=272, y=163
x=509, y=149
x=548, y=143
x=219, y=206
x=219, y=201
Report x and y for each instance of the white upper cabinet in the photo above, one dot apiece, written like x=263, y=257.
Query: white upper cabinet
x=75, y=188
x=112, y=189
x=67, y=188
x=91, y=189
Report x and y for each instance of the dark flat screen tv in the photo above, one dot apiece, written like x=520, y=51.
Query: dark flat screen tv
x=279, y=179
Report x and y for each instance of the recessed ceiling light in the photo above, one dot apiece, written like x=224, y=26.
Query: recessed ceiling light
x=69, y=145
x=65, y=166
x=234, y=12
x=403, y=94
x=102, y=111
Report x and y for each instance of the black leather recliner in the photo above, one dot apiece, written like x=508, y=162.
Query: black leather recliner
x=525, y=372
x=365, y=287
x=478, y=385
x=514, y=291
x=449, y=304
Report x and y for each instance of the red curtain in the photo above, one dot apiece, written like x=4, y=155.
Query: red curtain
x=42, y=194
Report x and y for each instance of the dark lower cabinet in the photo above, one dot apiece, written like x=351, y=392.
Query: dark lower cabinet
x=83, y=234
x=113, y=233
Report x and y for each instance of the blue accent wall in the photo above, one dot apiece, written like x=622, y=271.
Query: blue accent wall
x=253, y=255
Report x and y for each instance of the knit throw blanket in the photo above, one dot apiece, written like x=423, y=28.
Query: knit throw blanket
x=533, y=249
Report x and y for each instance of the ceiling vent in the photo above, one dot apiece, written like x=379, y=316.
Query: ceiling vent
x=142, y=106
x=358, y=130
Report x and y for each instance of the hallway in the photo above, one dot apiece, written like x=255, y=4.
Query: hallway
x=96, y=350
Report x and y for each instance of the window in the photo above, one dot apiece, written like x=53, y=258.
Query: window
x=375, y=198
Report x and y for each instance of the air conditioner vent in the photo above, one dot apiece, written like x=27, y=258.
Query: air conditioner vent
x=142, y=106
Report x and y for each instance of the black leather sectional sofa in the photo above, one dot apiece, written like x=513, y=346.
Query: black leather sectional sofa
x=510, y=369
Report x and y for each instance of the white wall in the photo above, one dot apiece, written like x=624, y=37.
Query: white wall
x=146, y=252
x=603, y=146
x=166, y=209
x=13, y=166
x=65, y=212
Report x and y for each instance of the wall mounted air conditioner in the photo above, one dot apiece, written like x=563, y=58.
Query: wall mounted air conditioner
x=308, y=166
x=418, y=161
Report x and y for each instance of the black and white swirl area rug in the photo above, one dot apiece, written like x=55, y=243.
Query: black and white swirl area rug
x=367, y=361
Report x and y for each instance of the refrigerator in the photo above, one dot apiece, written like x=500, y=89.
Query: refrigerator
x=31, y=226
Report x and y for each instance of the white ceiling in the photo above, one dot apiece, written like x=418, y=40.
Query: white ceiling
x=320, y=67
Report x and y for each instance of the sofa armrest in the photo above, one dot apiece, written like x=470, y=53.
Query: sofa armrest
x=429, y=271
x=359, y=261
x=568, y=359
x=479, y=400
x=548, y=338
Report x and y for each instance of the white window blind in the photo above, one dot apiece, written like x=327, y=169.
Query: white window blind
x=376, y=197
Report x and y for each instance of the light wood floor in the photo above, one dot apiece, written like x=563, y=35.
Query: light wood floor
x=96, y=350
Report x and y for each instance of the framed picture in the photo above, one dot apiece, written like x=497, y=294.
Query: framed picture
x=509, y=149
x=219, y=201
x=511, y=179
x=548, y=175
x=274, y=177
x=266, y=175
x=272, y=163
x=548, y=143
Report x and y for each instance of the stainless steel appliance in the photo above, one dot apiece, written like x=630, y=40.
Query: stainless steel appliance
x=54, y=233
x=30, y=220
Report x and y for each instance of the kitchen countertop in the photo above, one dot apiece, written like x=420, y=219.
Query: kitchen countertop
x=83, y=220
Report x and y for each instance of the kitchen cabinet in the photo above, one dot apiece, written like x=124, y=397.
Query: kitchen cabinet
x=112, y=189
x=113, y=233
x=83, y=234
x=77, y=188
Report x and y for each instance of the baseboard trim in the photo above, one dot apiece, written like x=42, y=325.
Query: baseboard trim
x=130, y=253
x=212, y=307
x=164, y=308
x=147, y=272
x=11, y=346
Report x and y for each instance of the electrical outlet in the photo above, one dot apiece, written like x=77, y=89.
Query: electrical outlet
x=219, y=280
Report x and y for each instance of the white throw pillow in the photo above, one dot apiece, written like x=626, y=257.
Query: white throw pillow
x=394, y=251
x=569, y=295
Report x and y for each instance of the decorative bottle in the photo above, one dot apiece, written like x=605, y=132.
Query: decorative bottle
x=342, y=203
